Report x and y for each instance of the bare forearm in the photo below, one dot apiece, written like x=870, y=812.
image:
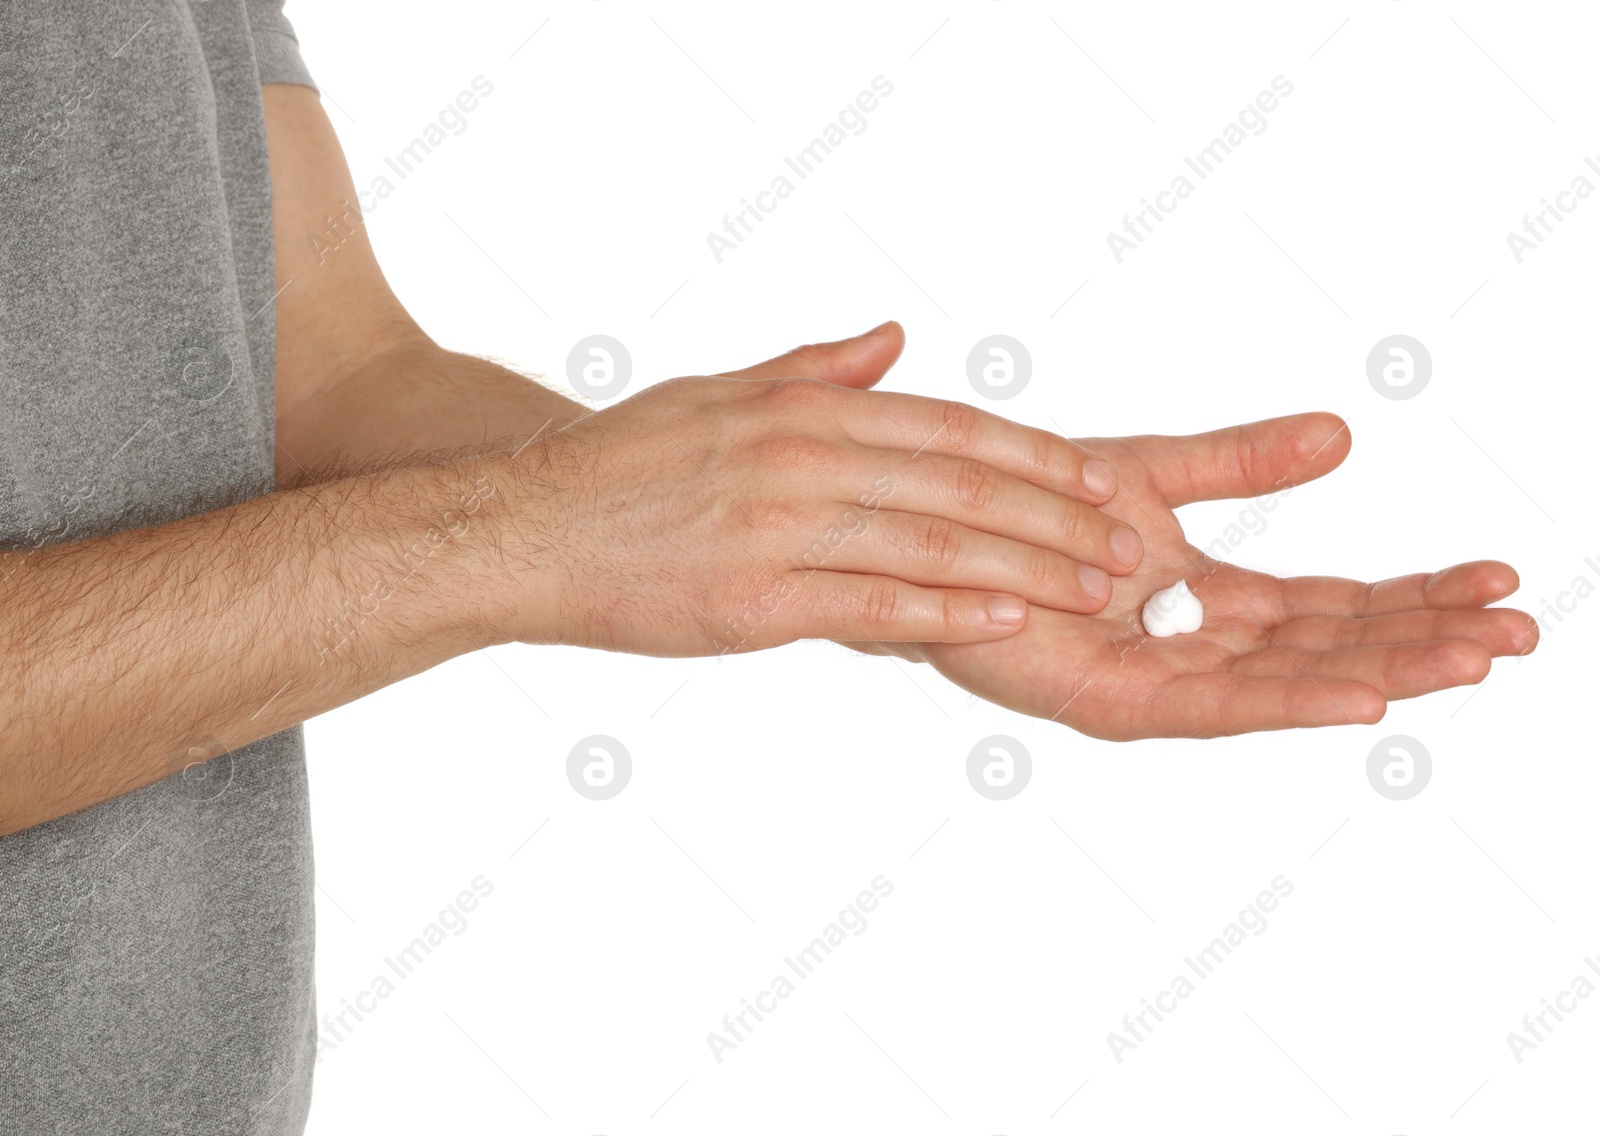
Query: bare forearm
x=416, y=398
x=124, y=658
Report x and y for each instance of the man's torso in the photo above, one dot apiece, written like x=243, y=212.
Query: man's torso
x=155, y=951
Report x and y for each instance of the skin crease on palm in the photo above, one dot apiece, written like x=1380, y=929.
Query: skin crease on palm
x=1272, y=654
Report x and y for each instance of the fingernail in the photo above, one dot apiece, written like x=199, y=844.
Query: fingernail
x=1008, y=610
x=875, y=330
x=1126, y=546
x=1099, y=478
x=1096, y=582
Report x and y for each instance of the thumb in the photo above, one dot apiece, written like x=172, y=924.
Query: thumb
x=1244, y=461
x=856, y=362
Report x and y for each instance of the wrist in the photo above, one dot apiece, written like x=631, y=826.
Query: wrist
x=527, y=513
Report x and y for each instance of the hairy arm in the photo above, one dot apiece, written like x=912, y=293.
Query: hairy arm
x=127, y=657
x=430, y=504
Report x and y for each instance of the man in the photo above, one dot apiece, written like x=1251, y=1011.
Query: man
x=239, y=486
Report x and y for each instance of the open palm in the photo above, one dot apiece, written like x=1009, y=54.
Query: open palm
x=1273, y=653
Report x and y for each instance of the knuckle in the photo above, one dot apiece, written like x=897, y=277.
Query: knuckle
x=1247, y=455
x=1039, y=571
x=1047, y=458
x=975, y=486
x=959, y=426
x=880, y=604
x=940, y=544
x=1074, y=526
x=798, y=393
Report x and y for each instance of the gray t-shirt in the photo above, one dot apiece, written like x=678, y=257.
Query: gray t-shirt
x=156, y=950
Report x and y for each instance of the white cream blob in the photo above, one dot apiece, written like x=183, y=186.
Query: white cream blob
x=1173, y=611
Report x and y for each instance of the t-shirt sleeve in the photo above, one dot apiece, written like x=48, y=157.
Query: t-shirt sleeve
x=277, y=49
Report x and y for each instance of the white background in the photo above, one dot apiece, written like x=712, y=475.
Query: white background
x=768, y=790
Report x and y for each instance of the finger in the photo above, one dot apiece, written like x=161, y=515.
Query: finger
x=1243, y=461
x=859, y=361
x=888, y=420
x=1219, y=705
x=1470, y=585
x=938, y=552
x=987, y=498
x=1401, y=671
x=844, y=605
x=1502, y=630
